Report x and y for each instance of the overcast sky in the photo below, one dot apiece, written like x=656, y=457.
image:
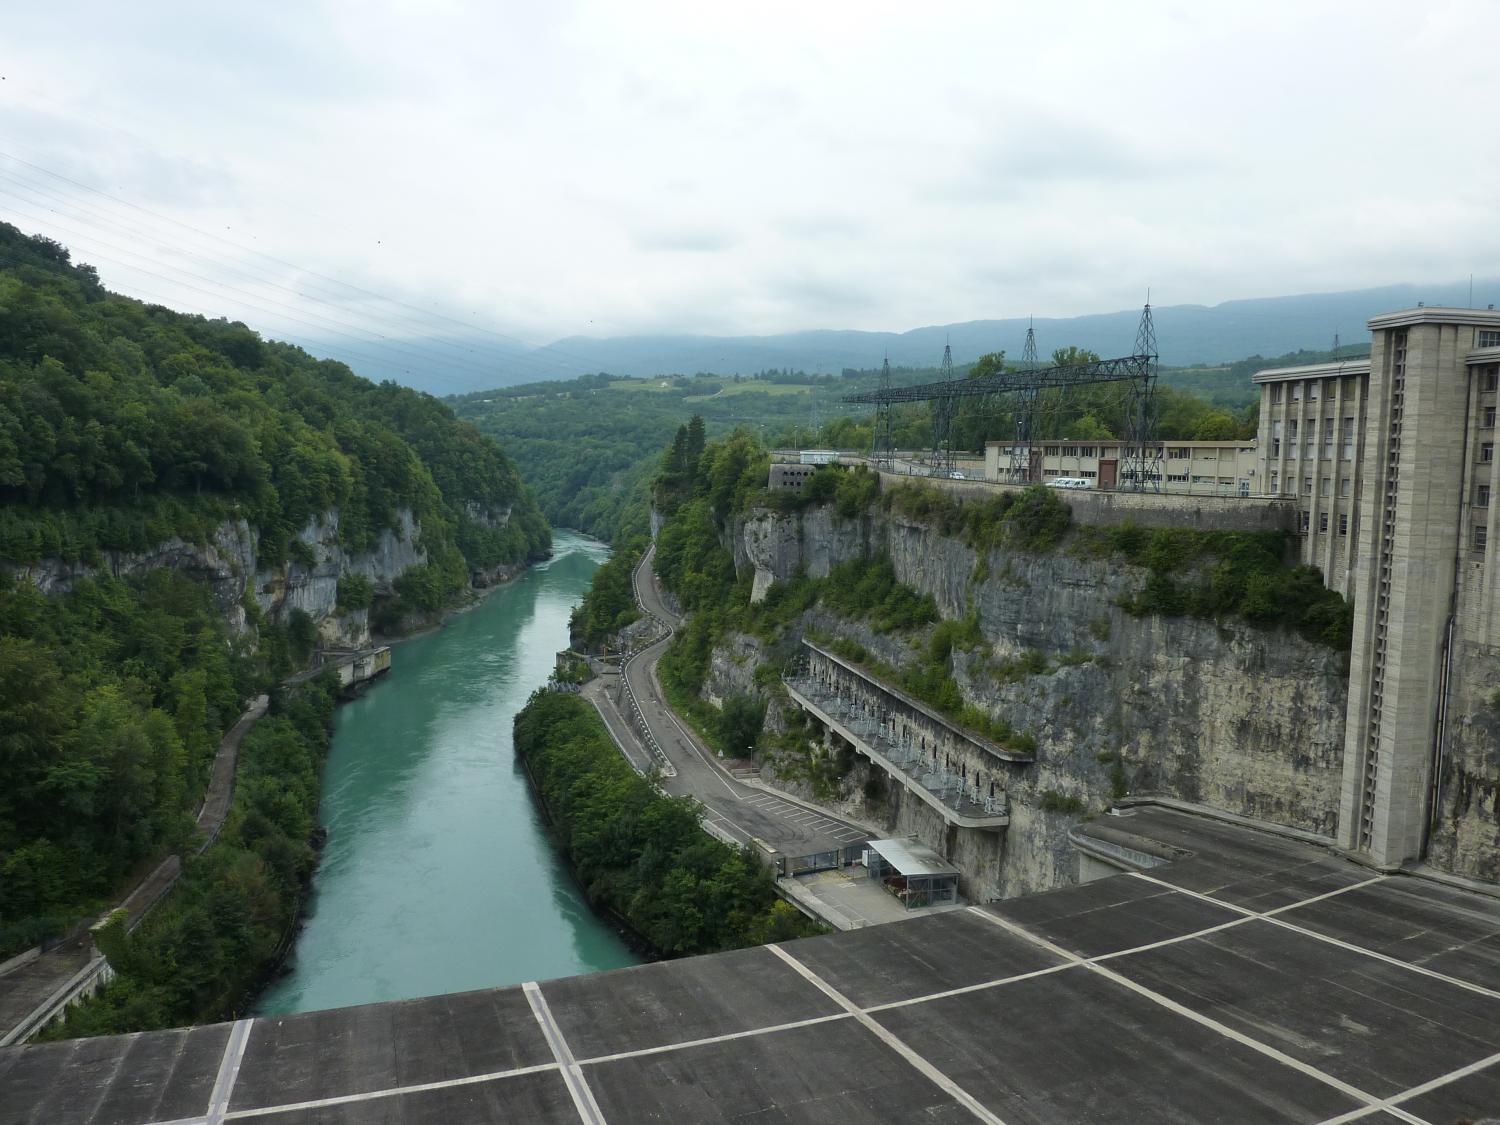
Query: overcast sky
x=549, y=169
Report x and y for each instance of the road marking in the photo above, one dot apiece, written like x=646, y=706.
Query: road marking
x=1390, y=1104
x=727, y=1037
x=583, y=1098
x=891, y=1040
x=229, y=1071
x=1366, y=1098
x=393, y=1092
x=1068, y=962
x=1269, y=917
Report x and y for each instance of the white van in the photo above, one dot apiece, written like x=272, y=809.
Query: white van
x=1070, y=482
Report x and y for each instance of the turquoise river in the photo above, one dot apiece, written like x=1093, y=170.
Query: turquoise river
x=438, y=875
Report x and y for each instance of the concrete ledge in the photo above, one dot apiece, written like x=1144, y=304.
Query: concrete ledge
x=1301, y=835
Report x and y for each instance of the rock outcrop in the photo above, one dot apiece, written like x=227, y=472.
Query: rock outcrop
x=229, y=565
x=1238, y=718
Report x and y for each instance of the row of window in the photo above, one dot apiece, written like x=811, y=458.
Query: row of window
x=1325, y=485
x=1487, y=338
x=1297, y=388
x=1306, y=520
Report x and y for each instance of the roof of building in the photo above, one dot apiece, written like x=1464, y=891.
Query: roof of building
x=1437, y=314
x=911, y=857
x=1357, y=366
x=1254, y=978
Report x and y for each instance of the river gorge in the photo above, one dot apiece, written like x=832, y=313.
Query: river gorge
x=438, y=874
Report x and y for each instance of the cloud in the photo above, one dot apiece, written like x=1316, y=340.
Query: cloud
x=685, y=240
x=589, y=167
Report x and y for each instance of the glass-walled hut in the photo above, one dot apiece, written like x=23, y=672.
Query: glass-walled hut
x=913, y=872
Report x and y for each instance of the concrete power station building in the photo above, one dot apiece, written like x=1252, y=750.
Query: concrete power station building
x=1392, y=460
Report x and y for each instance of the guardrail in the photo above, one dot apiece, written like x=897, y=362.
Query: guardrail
x=665, y=763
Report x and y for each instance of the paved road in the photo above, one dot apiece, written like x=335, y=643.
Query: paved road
x=744, y=811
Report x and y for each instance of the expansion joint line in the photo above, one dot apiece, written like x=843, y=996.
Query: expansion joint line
x=891, y=1040
x=1366, y=1099
x=1270, y=916
x=578, y=1088
x=229, y=1071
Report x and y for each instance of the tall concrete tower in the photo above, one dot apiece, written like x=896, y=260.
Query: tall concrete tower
x=1425, y=481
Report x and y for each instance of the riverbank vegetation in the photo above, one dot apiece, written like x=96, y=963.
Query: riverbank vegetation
x=113, y=699
x=228, y=919
x=124, y=426
x=640, y=856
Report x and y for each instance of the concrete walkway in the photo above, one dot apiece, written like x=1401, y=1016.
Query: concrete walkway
x=32, y=993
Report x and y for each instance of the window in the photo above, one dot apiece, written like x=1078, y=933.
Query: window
x=1325, y=486
x=1296, y=392
x=1275, y=489
x=1489, y=418
x=1312, y=390
x=1275, y=394
x=1291, y=431
x=1489, y=339
x=1053, y=450
x=1307, y=486
x=1345, y=486
x=1178, y=453
x=1322, y=522
x=1481, y=496
x=1343, y=523
x=1328, y=439
x=1481, y=536
x=1330, y=387
x=1275, y=447
x=1088, y=451
x=1486, y=452
x=1490, y=377
x=1302, y=522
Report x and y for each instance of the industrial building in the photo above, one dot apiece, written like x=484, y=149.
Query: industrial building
x=1199, y=468
x=1393, y=461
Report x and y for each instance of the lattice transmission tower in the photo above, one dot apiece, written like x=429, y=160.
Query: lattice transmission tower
x=1024, y=433
x=1141, y=466
x=943, y=410
x=884, y=444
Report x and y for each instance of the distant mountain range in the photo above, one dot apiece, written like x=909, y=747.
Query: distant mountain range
x=1186, y=334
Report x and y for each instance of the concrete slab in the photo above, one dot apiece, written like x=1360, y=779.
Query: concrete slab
x=678, y=1001
x=834, y=1072
x=852, y=895
x=378, y=1046
x=1445, y=930
x=1462, y=1099
x=1252, y=869
x=1112, y=914
x=1073, y=1046
x=917, y=957
x=1375, y=1025
x=159, y=1075
x=524, y=1098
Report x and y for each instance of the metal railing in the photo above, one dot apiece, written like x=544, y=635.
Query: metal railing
x=951, y=788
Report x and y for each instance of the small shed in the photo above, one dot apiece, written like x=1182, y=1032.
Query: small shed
x=913, y=872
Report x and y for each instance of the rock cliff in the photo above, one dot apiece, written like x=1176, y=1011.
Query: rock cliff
x=229, y=564
x=1245, y=720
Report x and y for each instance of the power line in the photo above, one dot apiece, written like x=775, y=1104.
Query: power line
x=426, y=313
x=253, y=301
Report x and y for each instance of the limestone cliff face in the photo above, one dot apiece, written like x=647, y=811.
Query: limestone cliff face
x=1246, y=720
x=229, y=564
x=1466, y=838
x=313, y=588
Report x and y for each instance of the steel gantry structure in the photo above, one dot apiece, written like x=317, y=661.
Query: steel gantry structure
x=1140, y=462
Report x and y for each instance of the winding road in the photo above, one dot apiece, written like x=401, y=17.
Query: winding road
x=747, y=811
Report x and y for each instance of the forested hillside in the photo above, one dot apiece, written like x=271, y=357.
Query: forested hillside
x=589, y=446
x=123, y=425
